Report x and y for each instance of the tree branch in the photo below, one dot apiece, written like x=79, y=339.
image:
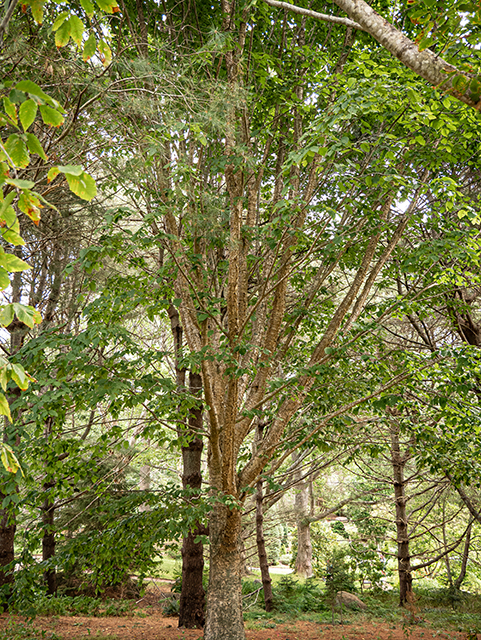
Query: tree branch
x=314, y=14
x=7, y=17
x=425, y=64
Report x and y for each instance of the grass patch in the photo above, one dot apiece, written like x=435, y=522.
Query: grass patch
x=168, y=568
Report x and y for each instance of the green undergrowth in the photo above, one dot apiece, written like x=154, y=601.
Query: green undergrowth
x=82, y=606
x=16, y=630
x=168, y=569
x=296, y=599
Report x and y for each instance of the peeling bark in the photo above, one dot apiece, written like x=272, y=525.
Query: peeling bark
x=224, y=597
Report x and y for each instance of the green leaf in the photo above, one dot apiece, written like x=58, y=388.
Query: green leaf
x=34, y=146
x=426, y=42
x=76, y=29
x=17, y=96
x=420, y=140
x=19, y=376
x=105, y=53
x=10, y=108
x=21, y=184
x=9, y=217
x=447, y=103
x=83, y=186
x=9, y=225
x=51, y=116
x=6, y=315
x=6, y=202
x=52, y=174
x=27, y=113
x=34, y=90
x=4, y=410
x=3, y=376
x=12, y=263
x=17, y=150
x=12, y=237
x=9, y=460
x=108, y=6
x=72, y=169
x=26, y=314
x=413, y=97
x=88, y=7
x=60, y=20
x=30, y=205
x=62, y=35
x=460, y=83
x=4, y=279
x=90, y=47
x=37, y=10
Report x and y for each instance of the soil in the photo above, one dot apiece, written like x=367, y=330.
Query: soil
x=147, y=622
x=156, y=627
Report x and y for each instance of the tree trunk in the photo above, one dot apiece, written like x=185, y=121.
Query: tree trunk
x=192, y=597
x=145, y=479
x=245, y=571
x=447, y=562
x=462, y=574
x=403, y=553
x=48, y=542
x=224, y=597
x=303, y=564
x=261, y=551
x=8, y=527
x=260, y=540
x=8, y=515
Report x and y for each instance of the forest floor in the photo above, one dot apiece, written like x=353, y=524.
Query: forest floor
x=157, y=627
x=148, y=622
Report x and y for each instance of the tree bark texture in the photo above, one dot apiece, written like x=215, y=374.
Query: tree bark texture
x=192, y=597
x=8, y=528
x=303, y=564
x=261, y=550
x=8, y=515
x=48, y=543
x=426, y=64
x=224, y=597
x=403, y=553
x=464, y=563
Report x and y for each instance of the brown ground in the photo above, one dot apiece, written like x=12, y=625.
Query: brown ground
x=148, y=623
x=156, y=627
